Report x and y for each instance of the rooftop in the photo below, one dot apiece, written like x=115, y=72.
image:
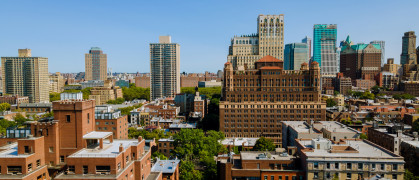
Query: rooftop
x=182, y=125
x=299, y=126
x=97, y=135
x=165, y=166
x=356, y=149
x=337, y=127
x=264, y=155
x=268, y=58
x=239, y=141
x=110, y=149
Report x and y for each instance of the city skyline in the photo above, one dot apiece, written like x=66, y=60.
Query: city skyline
x=124, y=31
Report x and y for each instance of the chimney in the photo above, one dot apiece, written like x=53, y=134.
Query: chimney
x=101, y=143
x=121, y=148
x=140, y=138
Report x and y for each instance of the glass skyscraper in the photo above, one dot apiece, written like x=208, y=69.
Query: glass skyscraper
x=324, y=48
x=295, y=55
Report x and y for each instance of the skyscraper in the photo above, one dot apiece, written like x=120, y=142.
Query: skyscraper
x=26, y=76
x=96, y=65
x=360, y=61
x=324, y=48
x=247, y=49
x=307, y=40
x=408, y=48
x=164, y=68
x=383, y=50
x=295, y=55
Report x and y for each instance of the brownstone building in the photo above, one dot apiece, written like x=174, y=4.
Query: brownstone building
x=360, y=61
x=255, y=101
x=14, y=99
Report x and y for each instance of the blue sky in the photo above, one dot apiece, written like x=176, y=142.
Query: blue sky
x=64, y=31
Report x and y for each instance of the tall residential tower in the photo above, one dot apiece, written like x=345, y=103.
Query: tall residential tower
x=245, y=50
x=324, y=48
x=164, y=68
x=26, y=76
x=96, y=65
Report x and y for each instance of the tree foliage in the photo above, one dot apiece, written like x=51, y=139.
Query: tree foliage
x=85, y=91
x=187, y=171
x=403, y=96
x=330, y=102
x=127, y=110
x=367, y=95
x=410, y=176
x=54, y=96
x=116, y=101
x=4, y=124
x=363, y=136
x=4, y=107
x=264, y=144
x=133, y=92
x=159, y=155
x=415, y=126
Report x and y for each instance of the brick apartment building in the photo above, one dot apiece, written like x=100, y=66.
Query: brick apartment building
x=109, y=120
x=255, y=101
x=14, y=99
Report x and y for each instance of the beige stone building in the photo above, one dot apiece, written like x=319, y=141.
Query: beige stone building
x=26, y=76
x=247, y=49
x=348, y=159
x=105, y=93
x=96, y=65
x=391, y=67
x=56, y=83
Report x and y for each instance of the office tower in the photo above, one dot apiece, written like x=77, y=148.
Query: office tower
x=26, y=76
x=95, y=64
x=408, y=58
x=295, y=55
x=164, y=68
x=255, y=101
x=324, y=48
x=245, y=50
x=360, y=61
x=307, y=40
x=383, y=50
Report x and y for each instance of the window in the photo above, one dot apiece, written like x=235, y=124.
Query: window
x=316, y=165
x=119, y=166
x=360, y=166
x=68, y=118
x=316, y=175
x=62, y=159
x=328, y=165
x=30, y=167
x=38, y=163
x=85, y=169
x=294, y=178
x=105, y=169
x=348, y=165
x=14, y=169
x=394, y=176
x=127, y=158
x=382, y=166
x=71, y=169
x=336, y=165
x=373, y=166
x=279, y=177
x=348, y=175
x=97, y=123
x=394, y=167
x=88, y=118
x=51, y=149
x=27, y=150
x=266, y=178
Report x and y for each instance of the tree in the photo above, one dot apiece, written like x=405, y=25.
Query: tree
x=116, y=101
x=54, y=96
x=410, y=176
x=415, y=126
x=264, y=144
x=367, y=95
x=85, y=91
x=363, y=136
x=127, y=110
x=335, y=93
x=4, y=124
x=4, y=107
x=330, y=102
x=20, y=119
x=159, y=155
x=403, y=96
x=133, y=92
x=187, y=171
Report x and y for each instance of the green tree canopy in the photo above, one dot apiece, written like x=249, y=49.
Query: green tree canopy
x=4, y=107
x=133, y=92
x=54, y=96
x=367, y=95
x=264, y=144
x=330, y=102
x=187, y=171
x=116, y=101
x=363, y=136
x=403, y=96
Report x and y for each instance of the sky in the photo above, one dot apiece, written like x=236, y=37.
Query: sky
x=64, y=31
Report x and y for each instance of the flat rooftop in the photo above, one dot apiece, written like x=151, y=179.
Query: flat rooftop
x=165, y=166
x=97, y=135
x=299, y=126
x=404, y=137
x=239, y=141
x=110, y=149
x=182, y=125
x=334, y=126
x=263, y=155
x=364, y=150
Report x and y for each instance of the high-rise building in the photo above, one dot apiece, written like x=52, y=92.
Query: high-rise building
x=408, y=48
x=245, y=50
x=324, y=48
x=56, y=82
x=391, y=67
x=408, y=58
x=383, y=50
x=307, y=40
x=360, y=61
x=255, y=101
x=96, y=65
x=295, y=55
x=26, y=76
x=164, y=68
